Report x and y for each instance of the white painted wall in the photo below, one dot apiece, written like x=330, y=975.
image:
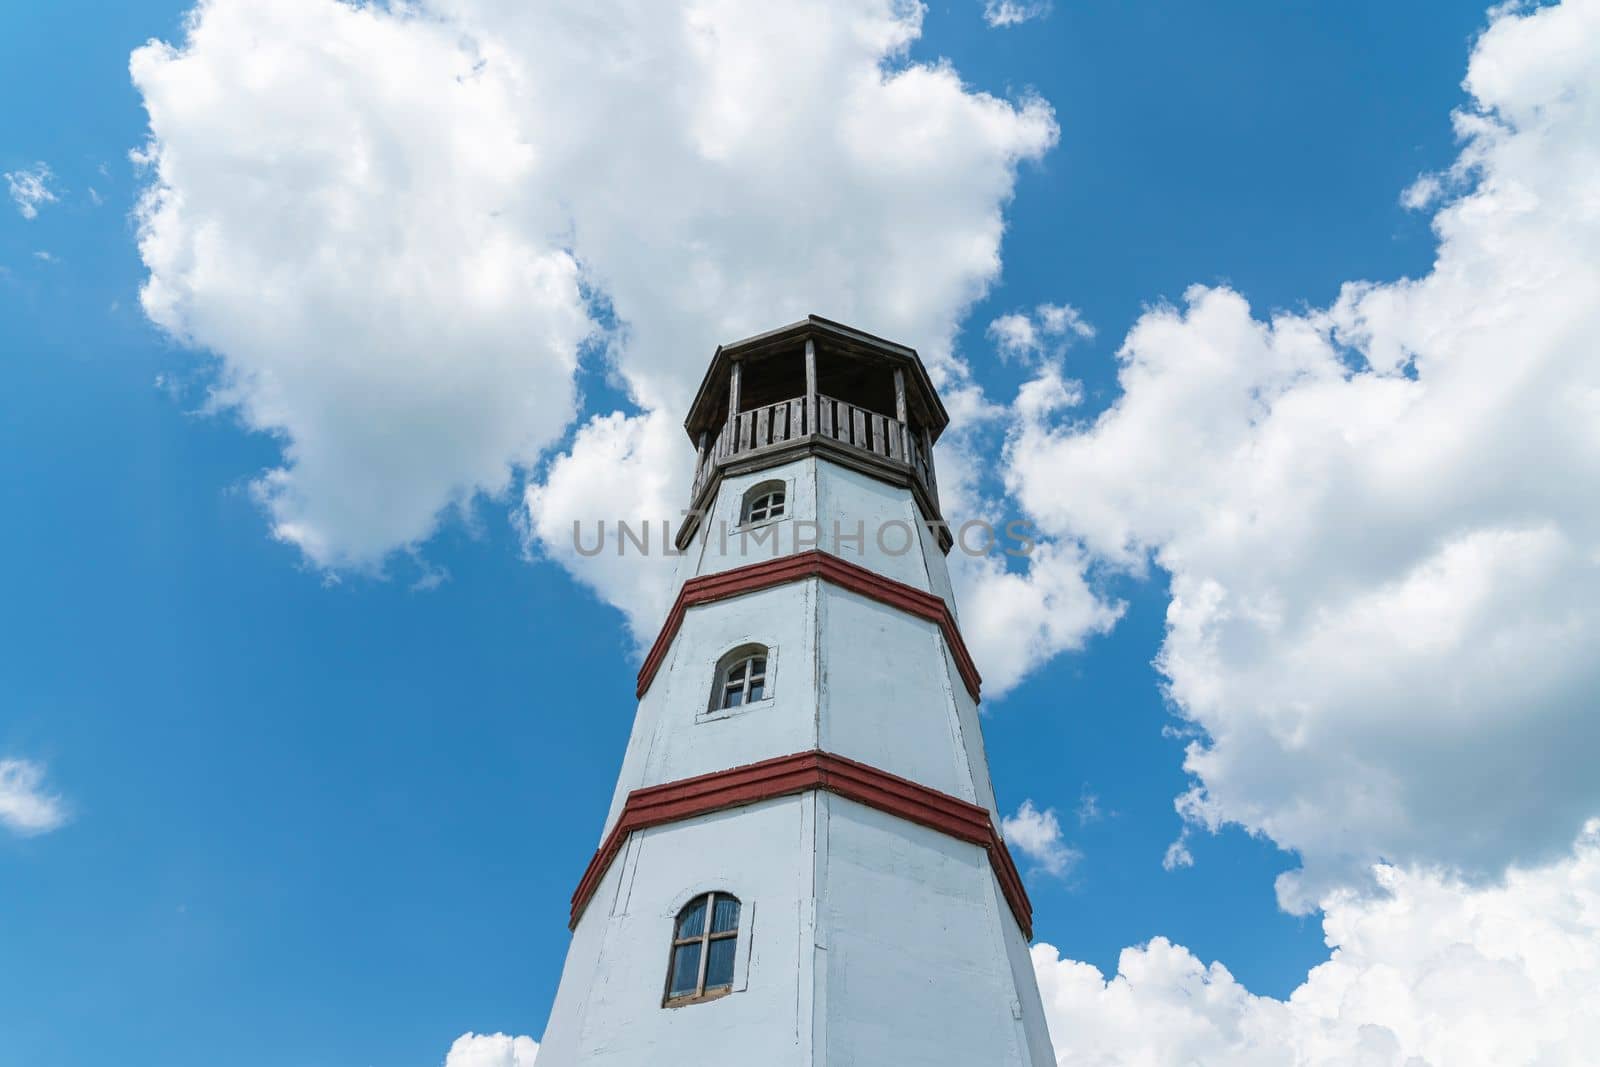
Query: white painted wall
x=865, y=940
x=893, y=541
x=912, y=964
x=887, y=693
x=721, y=543
x=872, y=940
x=672, y=736
x=887, y=515
x=608, y=1011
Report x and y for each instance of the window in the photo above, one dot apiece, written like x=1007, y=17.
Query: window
x=741, y=678
x=704, y=938
x=763, y=503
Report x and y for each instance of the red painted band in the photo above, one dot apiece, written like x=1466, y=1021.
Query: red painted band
x=800, y=773
x=813, y=564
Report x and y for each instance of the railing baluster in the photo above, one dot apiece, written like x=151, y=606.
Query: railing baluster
x=838, y=420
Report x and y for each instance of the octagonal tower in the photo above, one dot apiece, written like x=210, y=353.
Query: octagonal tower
x=802, y=862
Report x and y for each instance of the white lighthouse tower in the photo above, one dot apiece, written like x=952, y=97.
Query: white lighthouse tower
x=802, y=863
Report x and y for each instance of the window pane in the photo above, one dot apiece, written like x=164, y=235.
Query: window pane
x=736, y=672
x=758, y=665
x=719, y=965
x=756, y=690
x=733, y=698
x=692, y=921
x=685, y=970
x=726, y=916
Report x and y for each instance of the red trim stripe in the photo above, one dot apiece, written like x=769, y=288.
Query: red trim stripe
x=800, y=773
x=813, y=564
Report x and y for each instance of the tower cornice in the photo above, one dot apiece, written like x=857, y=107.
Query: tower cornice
x=709, y=588
x=799, y=773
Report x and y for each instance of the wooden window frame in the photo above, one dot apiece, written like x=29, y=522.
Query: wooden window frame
x=748, y=678
x=762, y=494
x=706, y=936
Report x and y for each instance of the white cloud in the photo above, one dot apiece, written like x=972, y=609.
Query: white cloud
x=1038, y=835
x=1384, y=563
x=26, y=808
x=1177, y=854
x=492, y=1050
x=1001, y=13
x=30, y=188
x=1422, y=192
x=1088, y=809
x=1058, y=320
x=1431, y=973
x=347, y=210
x=1014, y=335
x=1015, y=621
x=584, y=488
x=1018, y=335
x=379, y=220
x=852, y=184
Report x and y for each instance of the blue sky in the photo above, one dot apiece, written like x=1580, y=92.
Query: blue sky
x=316, y=813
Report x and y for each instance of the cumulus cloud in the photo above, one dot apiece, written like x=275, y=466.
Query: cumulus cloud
x=346, y=209
x=855, y=184
x=1016, y=620
x=1058, y=320
x=1430, y=973
x=1002, y=13
x=1422, y=192
x=1177, y=854
x=492, y=1050
x=390, y=226
x=1018, y=335
x=1384, y=561
x=575, y=514
x=26, y=807
x=1013, y=335
x=1038, y=835
x=29, y=188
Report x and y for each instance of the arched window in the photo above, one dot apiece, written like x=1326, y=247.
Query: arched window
x=703, y=942
x=763, y=502
x=741, y=678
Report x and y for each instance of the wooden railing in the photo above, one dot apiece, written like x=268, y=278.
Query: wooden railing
x=837, y=420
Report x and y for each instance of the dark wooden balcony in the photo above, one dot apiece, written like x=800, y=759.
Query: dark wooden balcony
x=738, y=423
x=766, y=428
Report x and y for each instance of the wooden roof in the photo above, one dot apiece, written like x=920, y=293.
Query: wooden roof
x=923, y=403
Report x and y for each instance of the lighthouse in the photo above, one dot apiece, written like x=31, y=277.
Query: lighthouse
x=803, y=862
